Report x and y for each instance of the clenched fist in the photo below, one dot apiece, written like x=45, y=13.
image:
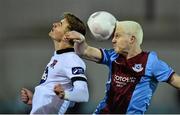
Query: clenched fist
x=59, y=90
x=26, y=96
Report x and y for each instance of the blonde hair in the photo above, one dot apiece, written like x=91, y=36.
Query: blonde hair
x=132, y=27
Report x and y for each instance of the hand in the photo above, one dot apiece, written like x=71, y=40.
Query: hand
x=26, y=96
x=75, y=36
x=59, y=90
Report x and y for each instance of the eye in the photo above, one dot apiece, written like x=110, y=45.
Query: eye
x=59, y=24
x=117, y=35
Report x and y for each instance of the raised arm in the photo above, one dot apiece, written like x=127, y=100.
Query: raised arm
x=175, y=81
x=82, y=48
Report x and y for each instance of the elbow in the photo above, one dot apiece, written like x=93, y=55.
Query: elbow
x=79, y=93
x=85, y=96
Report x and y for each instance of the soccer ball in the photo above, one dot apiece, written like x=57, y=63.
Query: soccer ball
x=101, y=24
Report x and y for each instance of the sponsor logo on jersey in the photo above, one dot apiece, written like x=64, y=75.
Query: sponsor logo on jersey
x=53, y=64
x=77, y=70
x=137, y=67
x=122, y=80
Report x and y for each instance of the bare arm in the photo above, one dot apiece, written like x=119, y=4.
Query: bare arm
x=175, y=81
x=82, y=48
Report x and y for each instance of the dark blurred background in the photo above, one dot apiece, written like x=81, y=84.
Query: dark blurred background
x=25, y=47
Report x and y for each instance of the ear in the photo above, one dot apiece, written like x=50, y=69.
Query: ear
x=65, y=38
x=132, y=39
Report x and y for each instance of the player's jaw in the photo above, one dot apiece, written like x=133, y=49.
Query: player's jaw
x=120, y=48
x=56, y=34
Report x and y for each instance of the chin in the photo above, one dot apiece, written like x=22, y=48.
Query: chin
x=50, y=35
x=116, y=50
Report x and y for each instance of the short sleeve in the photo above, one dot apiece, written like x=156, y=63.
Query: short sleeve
x=108, y=55
x=161, y=70
x=75, y=68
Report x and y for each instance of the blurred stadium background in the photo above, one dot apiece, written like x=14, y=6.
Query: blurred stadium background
x=25, y=47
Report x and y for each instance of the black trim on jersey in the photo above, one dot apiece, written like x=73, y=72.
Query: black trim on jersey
x=168, y=80
x=65, y=50
x=100, y=61
x=78, y=79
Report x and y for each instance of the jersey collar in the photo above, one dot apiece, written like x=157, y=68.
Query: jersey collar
x=65, y=50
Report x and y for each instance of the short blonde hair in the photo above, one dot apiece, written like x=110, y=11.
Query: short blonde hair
x=132, y=27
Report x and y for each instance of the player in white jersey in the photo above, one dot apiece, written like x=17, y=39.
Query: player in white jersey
x=64, y=81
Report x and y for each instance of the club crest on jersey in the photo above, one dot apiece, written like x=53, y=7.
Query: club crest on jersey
x=137, y=67
x=53, y=64
x=77, y=70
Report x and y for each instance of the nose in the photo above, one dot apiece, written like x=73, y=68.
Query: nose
x=113, y=40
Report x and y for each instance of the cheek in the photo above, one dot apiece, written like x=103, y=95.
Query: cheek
x=58, y=34
x=121, y=43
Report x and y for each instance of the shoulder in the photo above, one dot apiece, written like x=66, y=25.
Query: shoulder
x=109, y=52
x=152, y=61
x=72, y=59
x=153, y=53
x=108, y=55
x=152, y=56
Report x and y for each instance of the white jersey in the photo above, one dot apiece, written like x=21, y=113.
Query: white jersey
x=64, y=67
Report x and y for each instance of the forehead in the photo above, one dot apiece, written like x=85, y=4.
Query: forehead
x=119, y=29
x=63, y=22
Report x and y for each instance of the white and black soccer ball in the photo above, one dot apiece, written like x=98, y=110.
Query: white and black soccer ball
x=101, y=24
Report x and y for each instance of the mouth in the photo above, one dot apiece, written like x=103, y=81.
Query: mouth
x=52, y=30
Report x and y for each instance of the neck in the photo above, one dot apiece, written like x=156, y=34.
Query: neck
x=133, y=52
x=61, y=45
